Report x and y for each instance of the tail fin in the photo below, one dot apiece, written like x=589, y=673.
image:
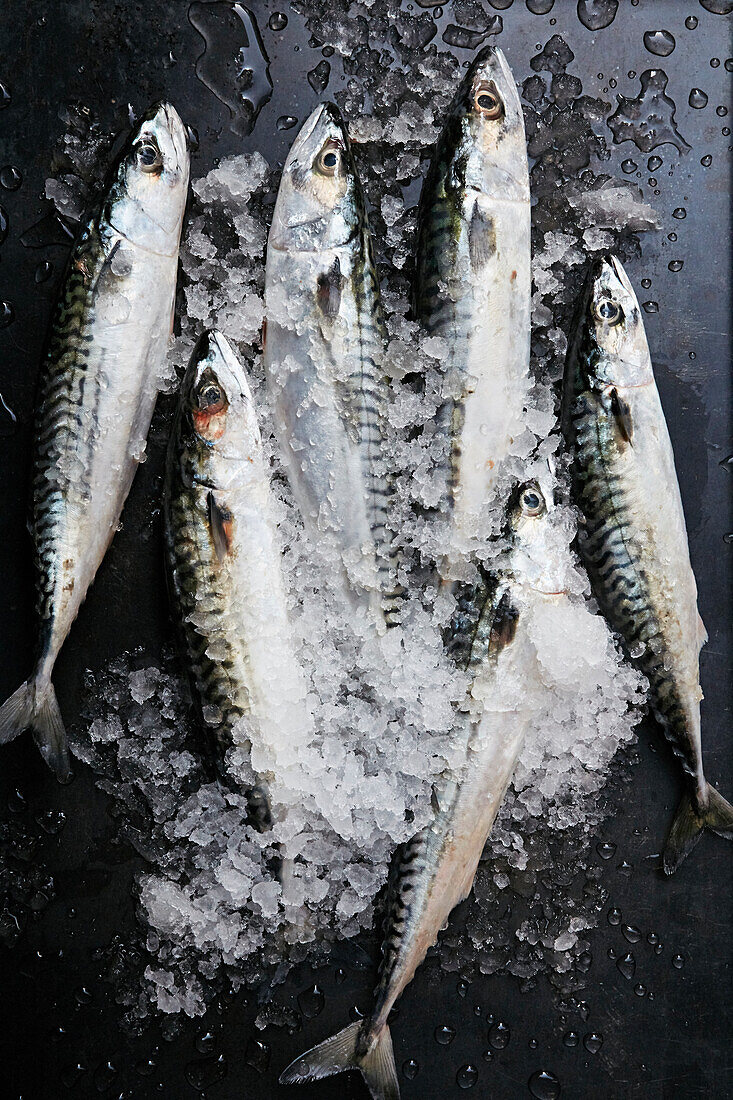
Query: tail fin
x=341, y=1052
x=688, y=826
x=34, y=705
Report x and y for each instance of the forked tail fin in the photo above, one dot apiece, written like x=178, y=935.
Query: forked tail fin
x=342, y=1052
x=34, y=706
x=688, y=826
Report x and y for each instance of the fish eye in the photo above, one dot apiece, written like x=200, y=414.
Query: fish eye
x=608, y=311
x=532, y=502
x=149, y=155
x=210, y=395
x=488, y=103
x=328, y=160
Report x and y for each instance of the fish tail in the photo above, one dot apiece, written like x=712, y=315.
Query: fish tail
x=689, y=825
x=34, y=706
x=344, y=1051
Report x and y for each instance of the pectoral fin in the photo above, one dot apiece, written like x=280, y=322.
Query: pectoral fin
x=481, y=237
x=328, y=294
x=220, y=524
x=622, y=416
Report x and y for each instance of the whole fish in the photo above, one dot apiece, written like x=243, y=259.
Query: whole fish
x=435, y=871
x=101, y=373
x=472, y=287
x=225, y=574
x=632, y=537
x=324, y=346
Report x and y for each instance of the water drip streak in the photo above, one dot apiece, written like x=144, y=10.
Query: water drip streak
x=234, y=64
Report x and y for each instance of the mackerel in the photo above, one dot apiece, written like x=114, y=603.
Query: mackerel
x=632, y=537
x=225, y=573
x=472, y=289
x=324, y=349
x=102, y=370
x=434, y=872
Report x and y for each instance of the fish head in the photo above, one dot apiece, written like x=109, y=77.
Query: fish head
x=486, y=131
x=536, y=528
x=148, y=197
x=319, y=202
x=609, y=348
x=220, y=415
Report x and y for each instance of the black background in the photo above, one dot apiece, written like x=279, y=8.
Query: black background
x=676, y=1044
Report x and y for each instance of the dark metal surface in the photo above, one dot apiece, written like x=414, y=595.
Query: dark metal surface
x=674, y=1045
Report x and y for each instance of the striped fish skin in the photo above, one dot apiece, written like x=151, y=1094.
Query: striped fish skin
x=99, y=381
x=324, y=348
x=473, y=286
x=225, y=575
x=435, y=871
x=632, y=536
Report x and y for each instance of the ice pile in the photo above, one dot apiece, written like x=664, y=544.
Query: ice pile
x=383, y=707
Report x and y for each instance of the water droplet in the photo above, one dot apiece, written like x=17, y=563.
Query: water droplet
x=727, y=464
x=659, y=948
x=286, y=122
x=639, y=990
x=676, y=265
x=649, y=119
x=43, y=272
x=729, y=64
x=4, y=224
x=52, y=821
x=17, y=802
x=626, y=966
x=540, y=7
x=5, y=96
x=728, y=539
x=105, y=1076
x=10, y=177
x=691, y=22
x=698, y=99
x=445, y=1035
x=646, y=283
x=71, y=1075
x=654, y=163
x=257, y=1055
x=652, y=938
x=311, y=1002
x=466, y=1077
x=544, y=1085
x=614, y=916
x=533, y=1044
x=613, y=83
x=721, y=111
x=319, y=77
x=606, y=851
x=462, y=988
x=202, y=1073
x=679, y=213
x=660, y=43
x=234, y=64
x=278, y=21
x=499, y=1036
x=501, y=5
x=83, y=996
x=612, y=954
x=410, y=1069
x=629, y=166
x=678, y=961
x=726, y=132
x=672, y=237
x=597, y=14
x=592, y=1042
x=477, y=1010
x=649, y=307
x=488, y=1056
x=714, y=62
x=145, y=1067
x=571, y=1038
x=206, y=1042
x=706, y=161
x=631, y=933
x=340, y=976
